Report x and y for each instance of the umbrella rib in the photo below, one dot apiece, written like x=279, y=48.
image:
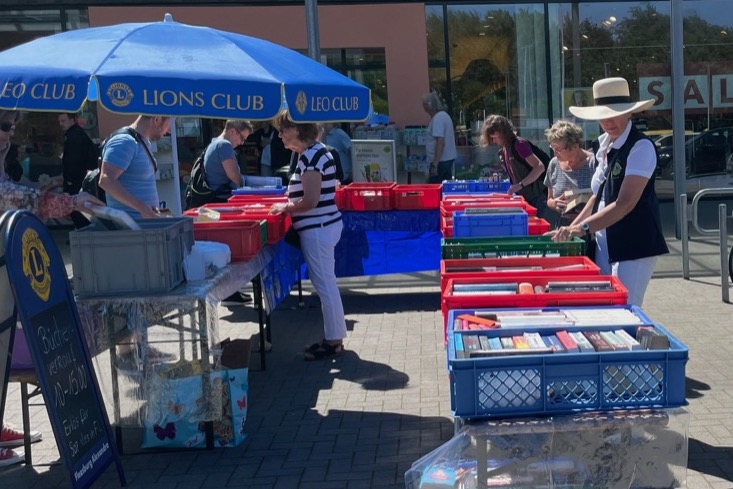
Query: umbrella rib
x=113, y=50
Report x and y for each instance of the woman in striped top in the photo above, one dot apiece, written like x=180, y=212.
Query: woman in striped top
x=317, y=220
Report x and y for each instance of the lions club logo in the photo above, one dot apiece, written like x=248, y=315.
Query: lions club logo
x=301, y=102
x=120, y=94
x=36, y=264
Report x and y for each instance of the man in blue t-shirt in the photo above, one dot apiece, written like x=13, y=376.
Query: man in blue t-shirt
x=128, y=167
x=220, y=161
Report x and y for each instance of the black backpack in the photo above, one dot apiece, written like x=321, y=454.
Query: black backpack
x=198, y=191
x=90, y=184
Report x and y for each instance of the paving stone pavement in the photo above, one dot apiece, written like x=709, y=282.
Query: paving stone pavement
x=361, y=420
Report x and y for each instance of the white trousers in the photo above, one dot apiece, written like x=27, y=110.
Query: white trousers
x=634, y=274
x=318, y=246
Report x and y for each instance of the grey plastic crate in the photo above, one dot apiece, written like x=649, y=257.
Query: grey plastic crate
x=120, y=262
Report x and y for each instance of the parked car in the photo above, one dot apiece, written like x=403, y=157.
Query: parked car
x=665, y=140
x=708, y=163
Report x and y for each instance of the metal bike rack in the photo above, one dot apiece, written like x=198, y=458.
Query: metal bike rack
x=722, y=232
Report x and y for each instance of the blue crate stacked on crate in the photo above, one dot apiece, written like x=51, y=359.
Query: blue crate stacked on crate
x=257, y=185
x=475, y=186
x=489, y=384
x=490, y=222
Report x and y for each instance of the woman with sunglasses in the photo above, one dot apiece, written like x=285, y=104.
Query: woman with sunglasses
x=14, y=196
x=570, y=170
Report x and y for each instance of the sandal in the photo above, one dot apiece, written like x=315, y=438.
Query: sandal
x=315, y=346
x=324, y=351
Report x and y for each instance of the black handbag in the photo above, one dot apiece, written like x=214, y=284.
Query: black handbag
x=292, y=237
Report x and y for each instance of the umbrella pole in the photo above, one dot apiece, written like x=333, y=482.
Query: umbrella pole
x=175, y=205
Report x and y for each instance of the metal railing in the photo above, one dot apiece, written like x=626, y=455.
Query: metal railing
x=722, y=232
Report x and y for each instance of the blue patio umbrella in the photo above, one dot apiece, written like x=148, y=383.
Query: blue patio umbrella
x=174, y=69
x=178, y=70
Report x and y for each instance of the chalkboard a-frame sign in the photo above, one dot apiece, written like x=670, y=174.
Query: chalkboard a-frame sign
x=47, y=311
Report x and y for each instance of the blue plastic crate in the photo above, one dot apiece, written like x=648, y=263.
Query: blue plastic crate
x=259, y=191
x=475, y=186
x=482, y=186
x=545, y=384
x=457, y=186
x=258, y=181
x=490, y=224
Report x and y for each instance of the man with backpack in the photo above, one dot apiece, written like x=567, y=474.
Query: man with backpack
x=80, y=155
x=524, y=162
x=128, y=167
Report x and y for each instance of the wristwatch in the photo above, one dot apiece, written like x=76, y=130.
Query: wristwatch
x=585, y=228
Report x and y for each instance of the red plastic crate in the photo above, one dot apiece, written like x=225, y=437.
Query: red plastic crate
x=447, y=208
x=412, y=197
x=243, y=237
x=526, y=266
x=231, y=211
x=277, y=224
x=537, y=226
x=446, y=226
x=476, y=197
x=264, y=199
x=369, y=196
x=341, y=198
x=450, y=301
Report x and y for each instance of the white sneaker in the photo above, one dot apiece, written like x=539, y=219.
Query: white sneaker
x=8, y=456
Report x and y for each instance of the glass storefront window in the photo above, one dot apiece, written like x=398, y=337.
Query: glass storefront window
x=632, y=40
x=494, y=62
x=38, y=137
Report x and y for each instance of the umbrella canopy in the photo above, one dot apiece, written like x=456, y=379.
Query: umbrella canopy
x=174, y=69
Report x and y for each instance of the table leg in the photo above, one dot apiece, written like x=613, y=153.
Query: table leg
x=201, y=330
x=24, y=400
x=109, y=326
x=482, y=458
x=257, y=292
x=300, y=288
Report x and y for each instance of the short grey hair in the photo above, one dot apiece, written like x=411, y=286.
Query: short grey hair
x=566, y=132
x=432, y=100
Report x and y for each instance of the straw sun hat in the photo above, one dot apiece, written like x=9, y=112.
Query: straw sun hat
x=612, y=99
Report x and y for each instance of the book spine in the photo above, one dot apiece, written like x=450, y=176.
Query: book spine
x=595, y=338
x=488, y=323
x=628, y=340
x=534, y=340
x=520, y=343
x=458, y=340
x=554, y=343
x=583, y=344
x=613, y=340
x=471, y=342
x=495, y=343
x=484, y=342
x=506, y=342
x=567, y=341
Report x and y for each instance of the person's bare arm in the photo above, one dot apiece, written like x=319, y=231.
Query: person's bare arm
x=231, y=168
x=311, y=181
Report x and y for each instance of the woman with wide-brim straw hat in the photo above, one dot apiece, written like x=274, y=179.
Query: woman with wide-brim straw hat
x=623, y=213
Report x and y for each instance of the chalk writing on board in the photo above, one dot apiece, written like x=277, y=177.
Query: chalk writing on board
x=68, y=376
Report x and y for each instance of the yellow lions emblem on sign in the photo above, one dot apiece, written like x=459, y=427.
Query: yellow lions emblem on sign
x=301, y=102
x=120, y=94
x=36, y=264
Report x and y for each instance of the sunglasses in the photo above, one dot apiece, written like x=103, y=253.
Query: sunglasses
x=7, y=126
